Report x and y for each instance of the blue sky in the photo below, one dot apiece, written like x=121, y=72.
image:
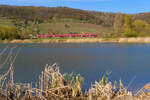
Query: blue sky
x=125, y=6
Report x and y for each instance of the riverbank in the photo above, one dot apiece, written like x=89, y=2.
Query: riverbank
x=82, y=40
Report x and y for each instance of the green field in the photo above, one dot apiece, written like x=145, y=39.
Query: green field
x=59, y=27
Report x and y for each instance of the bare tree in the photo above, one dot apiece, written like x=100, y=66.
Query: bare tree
x=118, y=23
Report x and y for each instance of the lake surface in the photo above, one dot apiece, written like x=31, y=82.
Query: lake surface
x=128, y=62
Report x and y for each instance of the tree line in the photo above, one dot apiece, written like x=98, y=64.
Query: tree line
x=126, y=25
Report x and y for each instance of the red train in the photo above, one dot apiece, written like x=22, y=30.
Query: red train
x=66, y=35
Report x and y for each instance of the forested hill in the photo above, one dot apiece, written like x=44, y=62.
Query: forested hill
x=44, y=14
x=21, y=21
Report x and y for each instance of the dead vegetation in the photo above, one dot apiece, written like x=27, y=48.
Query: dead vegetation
x=52, y=85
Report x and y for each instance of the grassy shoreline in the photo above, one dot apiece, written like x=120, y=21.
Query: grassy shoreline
x=82, y=40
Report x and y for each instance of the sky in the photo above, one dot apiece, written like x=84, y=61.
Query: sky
x=124, y=6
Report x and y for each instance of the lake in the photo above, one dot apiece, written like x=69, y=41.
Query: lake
x=128, y=62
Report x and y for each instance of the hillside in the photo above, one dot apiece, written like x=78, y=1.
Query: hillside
x=45, y=14
x=21, y=21
x=55, y=19
x=142, y=16
x=59, y=27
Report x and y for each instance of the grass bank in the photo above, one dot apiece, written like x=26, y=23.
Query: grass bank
x=82, y=40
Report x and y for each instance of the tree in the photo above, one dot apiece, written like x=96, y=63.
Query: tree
x=52, y=19
x=128, y=27
x=67, y=27
x=8, y=32
x=118, y=23
x=141, y=27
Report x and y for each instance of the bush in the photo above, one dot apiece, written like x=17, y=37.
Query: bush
x=8, y=32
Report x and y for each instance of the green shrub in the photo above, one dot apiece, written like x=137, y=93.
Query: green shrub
x=8, y=32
